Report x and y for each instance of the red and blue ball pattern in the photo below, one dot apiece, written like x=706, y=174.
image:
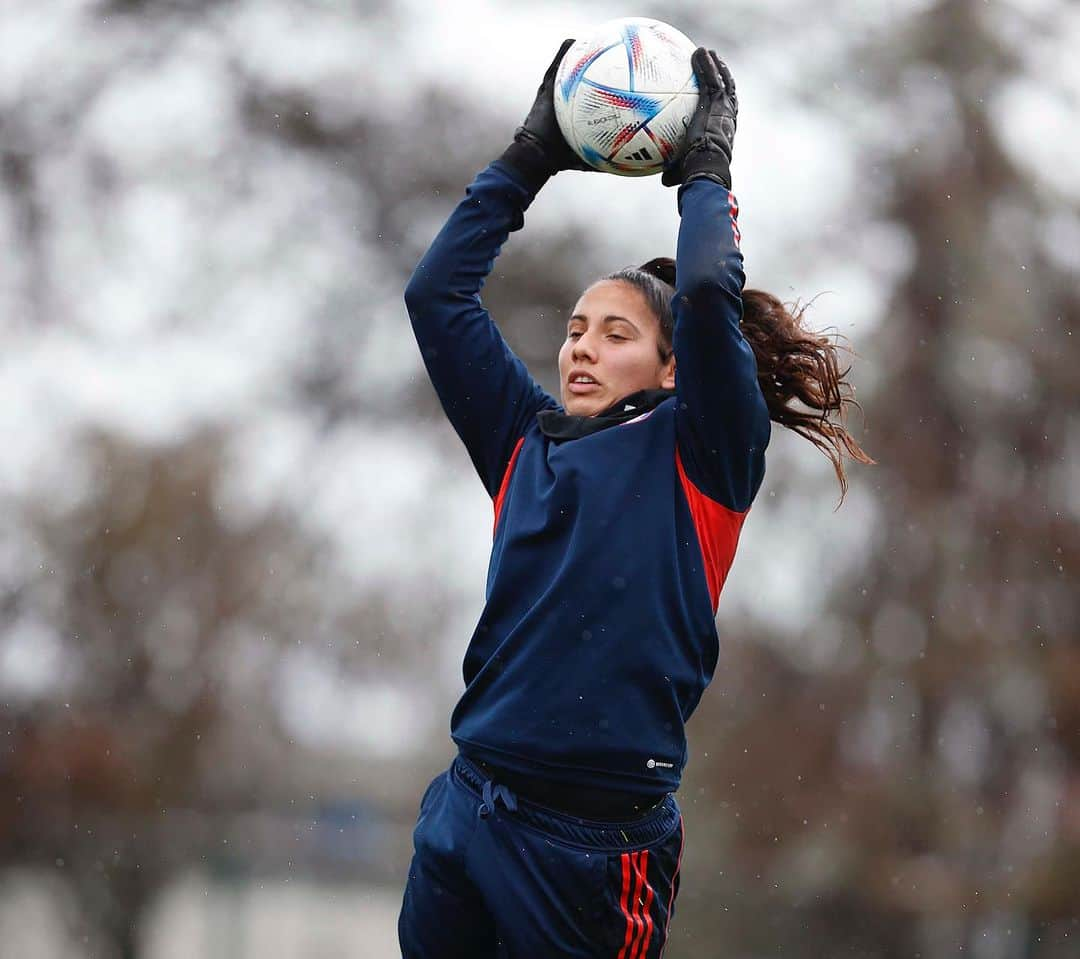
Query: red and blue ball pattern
x=623, y=96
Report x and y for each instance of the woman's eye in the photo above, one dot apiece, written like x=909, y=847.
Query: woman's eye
x=615, y=336
x=573, y=334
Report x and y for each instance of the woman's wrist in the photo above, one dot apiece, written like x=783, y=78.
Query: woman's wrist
x=528, y=161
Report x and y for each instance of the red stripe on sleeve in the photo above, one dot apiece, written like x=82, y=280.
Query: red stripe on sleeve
x=717, y=529
x=505, y=483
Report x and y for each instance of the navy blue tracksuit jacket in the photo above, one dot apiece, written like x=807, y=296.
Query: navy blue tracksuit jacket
x=597, y=637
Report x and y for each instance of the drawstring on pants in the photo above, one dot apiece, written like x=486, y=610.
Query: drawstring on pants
x=492, y=793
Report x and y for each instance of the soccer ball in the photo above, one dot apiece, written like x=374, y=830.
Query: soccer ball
x=624, y=95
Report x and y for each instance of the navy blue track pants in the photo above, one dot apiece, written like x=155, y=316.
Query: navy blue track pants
x=497, y=877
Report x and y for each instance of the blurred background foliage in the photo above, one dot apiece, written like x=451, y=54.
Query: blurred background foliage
x=241, y=551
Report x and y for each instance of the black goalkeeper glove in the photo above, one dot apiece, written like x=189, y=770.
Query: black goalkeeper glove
x=711, y=131
x=539, y=149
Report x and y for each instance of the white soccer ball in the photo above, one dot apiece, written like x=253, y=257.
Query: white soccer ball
x=624, y=95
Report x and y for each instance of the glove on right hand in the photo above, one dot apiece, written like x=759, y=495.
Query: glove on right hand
x=539, y=149
x=711, y=132
x=540, y=129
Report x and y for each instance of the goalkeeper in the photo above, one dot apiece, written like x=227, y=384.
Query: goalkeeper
x=556, y=832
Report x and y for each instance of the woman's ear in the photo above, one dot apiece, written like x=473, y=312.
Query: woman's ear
x=668, y=381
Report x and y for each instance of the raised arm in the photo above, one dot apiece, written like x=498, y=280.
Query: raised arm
x=485, y=390
x=722, y=419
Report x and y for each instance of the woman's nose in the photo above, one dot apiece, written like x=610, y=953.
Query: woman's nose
x=583, y=347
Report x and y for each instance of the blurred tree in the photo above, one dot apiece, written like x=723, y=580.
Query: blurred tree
x=918, y=793
x=168, y=621
x=899, y=792
x=165, y=615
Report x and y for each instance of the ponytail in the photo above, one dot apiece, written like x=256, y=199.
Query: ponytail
x=798, y=370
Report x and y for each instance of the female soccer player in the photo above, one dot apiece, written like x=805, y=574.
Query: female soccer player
x=555, y=832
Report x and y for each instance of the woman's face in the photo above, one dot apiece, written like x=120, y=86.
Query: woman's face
x=612, y=349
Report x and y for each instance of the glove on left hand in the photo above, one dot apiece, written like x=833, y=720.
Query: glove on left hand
x=711, y=133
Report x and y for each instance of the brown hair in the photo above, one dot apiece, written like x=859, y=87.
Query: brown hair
x=799, y=370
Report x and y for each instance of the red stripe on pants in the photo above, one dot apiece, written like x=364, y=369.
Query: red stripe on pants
x=646, y=907
x=636, y=905
x=671, y=900
x=623, y=903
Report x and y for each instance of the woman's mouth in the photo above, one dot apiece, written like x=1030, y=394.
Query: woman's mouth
x=579, y=383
